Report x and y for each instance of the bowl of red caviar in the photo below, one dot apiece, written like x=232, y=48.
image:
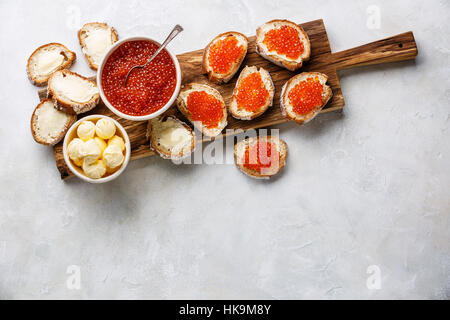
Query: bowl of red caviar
x=149, y=91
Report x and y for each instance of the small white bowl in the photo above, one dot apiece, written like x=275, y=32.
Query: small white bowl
x=147, y=116
x=72, y=133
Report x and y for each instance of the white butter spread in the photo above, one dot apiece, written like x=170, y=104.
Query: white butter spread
x=97, y=41
x=48, y=61
x=74, y=88
x=52, y=122
x=172, y=135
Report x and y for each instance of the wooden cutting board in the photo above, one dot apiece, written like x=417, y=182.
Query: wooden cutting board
x=397, y=48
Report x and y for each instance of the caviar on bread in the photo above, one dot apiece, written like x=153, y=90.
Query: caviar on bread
x=284, y=43
x=223, y=56
x=304, y=95
x=204, y=107
x=253, y=93
x=260, y=157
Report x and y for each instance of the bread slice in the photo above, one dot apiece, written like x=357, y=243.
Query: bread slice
x=182, y=106
x=286, y=106
x=224, y=77
x=48, y=125
x=47, y=59
x=72, y=93
x=95, y=40
x=170, y=137
x=268, y=84
x=281, y=59
x=239, y=154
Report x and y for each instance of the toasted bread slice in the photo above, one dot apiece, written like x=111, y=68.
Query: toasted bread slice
x=220, y=64
x=72, y=93
x=48, y=125
x=287, y=109
x=264, y=173
x=291, y=62
x=249, y=110
x=170, y=137
x=47, y=59
x=95, y=39
x=210, y=131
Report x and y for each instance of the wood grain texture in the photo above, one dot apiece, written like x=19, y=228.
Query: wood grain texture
x=401, y=47
x=398, y=48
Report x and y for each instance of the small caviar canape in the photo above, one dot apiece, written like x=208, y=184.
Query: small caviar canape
x=304, y=95
x=223, y=56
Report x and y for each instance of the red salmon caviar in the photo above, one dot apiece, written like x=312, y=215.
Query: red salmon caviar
x=148, y=89
x=252, y=94
x=306, y=95
x=266, y=157
x=223, y=53
x=284, y=40
x=205, y=107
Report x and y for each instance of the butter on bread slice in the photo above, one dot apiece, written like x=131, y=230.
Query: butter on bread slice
x=182, y=106
x=72, y=93
x=224, y=77
x=243, y=114
x=286, y=107
x=280, y=59
x=170, y=137
x=47, y=59
x=95, y=40
x=49, y=125
x=239, y=154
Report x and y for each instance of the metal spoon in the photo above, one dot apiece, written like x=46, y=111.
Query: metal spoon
x=175, y=31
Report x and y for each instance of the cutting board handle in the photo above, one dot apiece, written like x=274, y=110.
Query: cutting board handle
x=397, y=48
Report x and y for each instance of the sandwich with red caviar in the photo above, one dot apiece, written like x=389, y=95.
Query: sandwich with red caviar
x=223, y=56
x=253, y=93
x=304, y=95
x=204, y=107
x=260, y=157
x=284, y=43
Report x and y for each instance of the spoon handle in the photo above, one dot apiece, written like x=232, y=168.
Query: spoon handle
x=175, y=31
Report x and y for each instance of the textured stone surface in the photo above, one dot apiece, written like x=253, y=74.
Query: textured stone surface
x=365, y=187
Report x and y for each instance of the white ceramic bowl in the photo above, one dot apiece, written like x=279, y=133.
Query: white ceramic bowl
x=72, y=133
x=147, y=116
